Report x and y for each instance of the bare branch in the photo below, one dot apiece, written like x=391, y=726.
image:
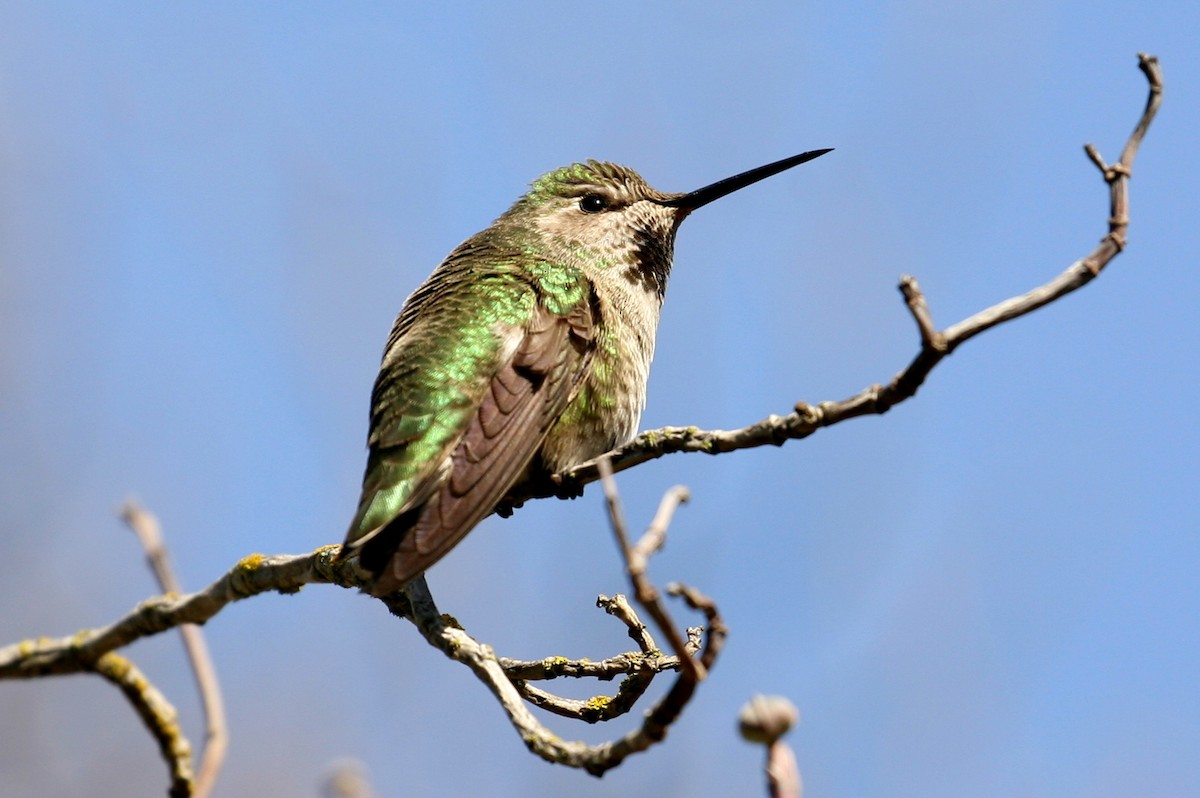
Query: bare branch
x=257, y=573
x=507, y=678
x=636, y=560
x=878, y=399
x=655, y=536
x=915, y=299
x=717, y=630
x=288, y=573
x=157, y=713
x=639, y=668
x=619, y=607
x=443, y=633
x=692, y=672
x=603, y=670
x=145, y=525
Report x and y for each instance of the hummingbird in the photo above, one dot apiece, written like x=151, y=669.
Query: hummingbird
x=524, y=354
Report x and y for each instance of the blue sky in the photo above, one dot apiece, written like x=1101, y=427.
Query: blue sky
x=210, y=214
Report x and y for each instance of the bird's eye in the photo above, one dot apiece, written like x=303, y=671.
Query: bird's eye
x=593, y=203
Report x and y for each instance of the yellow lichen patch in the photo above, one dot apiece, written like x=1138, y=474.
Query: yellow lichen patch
x=551, y=665
x=251, y=562
x=598, y=703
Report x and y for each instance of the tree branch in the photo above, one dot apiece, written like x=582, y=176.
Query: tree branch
x=288, y=573
x=145, y=526
x=157, y=714
x=639, y=670
x=444, y=633
x=877, y=399
x=93, y=650
x=285, y=573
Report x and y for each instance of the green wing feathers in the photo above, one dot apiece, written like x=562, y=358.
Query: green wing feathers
x=469, y=387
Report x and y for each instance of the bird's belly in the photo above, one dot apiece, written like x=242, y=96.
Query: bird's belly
x=596, y=420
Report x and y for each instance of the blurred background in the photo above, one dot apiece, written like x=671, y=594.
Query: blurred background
x=210, y=214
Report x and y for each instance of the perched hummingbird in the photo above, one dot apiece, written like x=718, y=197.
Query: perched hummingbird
x=524, y=354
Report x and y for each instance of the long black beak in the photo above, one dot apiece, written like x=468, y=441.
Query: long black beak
x=702, y=196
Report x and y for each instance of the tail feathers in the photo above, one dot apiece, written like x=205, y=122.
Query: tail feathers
x=376, y=553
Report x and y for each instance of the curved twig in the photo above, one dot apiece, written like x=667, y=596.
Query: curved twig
x=157, y=714
x=145, y=526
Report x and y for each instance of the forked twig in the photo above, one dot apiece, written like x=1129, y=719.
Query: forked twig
x=637, y=556
x=638, y=668
x=512, y=691
x=145, y=526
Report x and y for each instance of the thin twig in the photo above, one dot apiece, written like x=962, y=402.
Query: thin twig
x=638, y=667
x=157, y=714
x=636, y=556
x=806, y=419
x=915, y=299
x=602, y=670
x=619, y=607
x=692, y=671
x=655, y=536
x=145, y=526
x=717, y=630
x=456, y=644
